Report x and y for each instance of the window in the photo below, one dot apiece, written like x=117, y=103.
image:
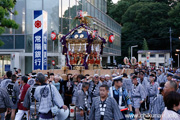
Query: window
x=143, y=55
x=152, y=55
x=19, y=42
x=8, y=42
x=161, y=55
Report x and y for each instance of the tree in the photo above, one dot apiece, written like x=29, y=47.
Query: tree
x=6, y=8
x=145, y=45
x=109, y=6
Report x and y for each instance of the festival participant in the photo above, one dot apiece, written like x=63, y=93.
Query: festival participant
x=127, y=83
x=104, y=107
x=157, y=105
x=120, y=94
x=82, y=103
x=94, y=88
x=170, y=86
x=102, y=80
x=138, y=96
x=50, y=101
x=5, y=103
x=56, y=82
x=23, y=90
x=172, y=103
x=51, y=75
x=160, y=77
x=6, y=80
x=169, y=76
x=32, y=81
x=144, y=82
x=108, y=79
x=152, y=88
x=29, y=101
x=13, y=91
x=68, y=90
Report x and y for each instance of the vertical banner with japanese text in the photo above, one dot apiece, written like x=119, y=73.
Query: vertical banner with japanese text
x=40, y=40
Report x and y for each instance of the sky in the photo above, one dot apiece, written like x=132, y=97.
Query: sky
x=114, y=1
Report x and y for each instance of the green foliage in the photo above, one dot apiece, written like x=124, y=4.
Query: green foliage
x=148, y=19
x=6, y=8
x=109, y=6
x=129, y=52
x=145, y=45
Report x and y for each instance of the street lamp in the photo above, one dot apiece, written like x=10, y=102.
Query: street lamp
x=178, y=59
x=132, y=50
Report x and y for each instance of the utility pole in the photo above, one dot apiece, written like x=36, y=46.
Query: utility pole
x=170, y=32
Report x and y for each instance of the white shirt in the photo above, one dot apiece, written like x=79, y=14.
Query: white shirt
x=170, y=115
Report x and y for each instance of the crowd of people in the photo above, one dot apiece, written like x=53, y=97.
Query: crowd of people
x=119, y=96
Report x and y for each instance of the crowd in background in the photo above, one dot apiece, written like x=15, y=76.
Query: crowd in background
x=96, y=97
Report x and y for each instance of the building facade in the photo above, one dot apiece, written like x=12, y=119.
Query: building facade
x=17, y=50
x=154, y=57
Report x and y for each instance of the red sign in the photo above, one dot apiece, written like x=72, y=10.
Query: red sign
x=53, y=62
x=53, y=36
x=111, y=38
x=37, y=24
x=147, y=57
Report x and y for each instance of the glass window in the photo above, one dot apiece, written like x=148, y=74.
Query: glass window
x=161, y=55
x=92, y=2
x=30, y=6
x=28, y=43
x=152, y=55
x=8, y=42
x=143, y=55
x=28, y=64
x=88, y=7
x=96, y=13
x=52, y=8
x=20, y=18
x=73, y=12
x=65, y=13
x=96, y=3
x=19, y=42
x=92, y=11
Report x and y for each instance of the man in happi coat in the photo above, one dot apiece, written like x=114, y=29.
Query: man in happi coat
x=127, y=83
x=77, y=86
x=105, y=107
x=138, y=95
x=21, y=109
x=29, y=101
x=82, y=103
x=157, y=105
x=13, y=91
x=6, y=80
x=5, y=103
x=48, y=97
x=121, y=96
x=103, y=80
x=152, y=88
x=144, y=82
x=161, y=76
x=108, y=79
x=94, y=88
x=32, y=81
